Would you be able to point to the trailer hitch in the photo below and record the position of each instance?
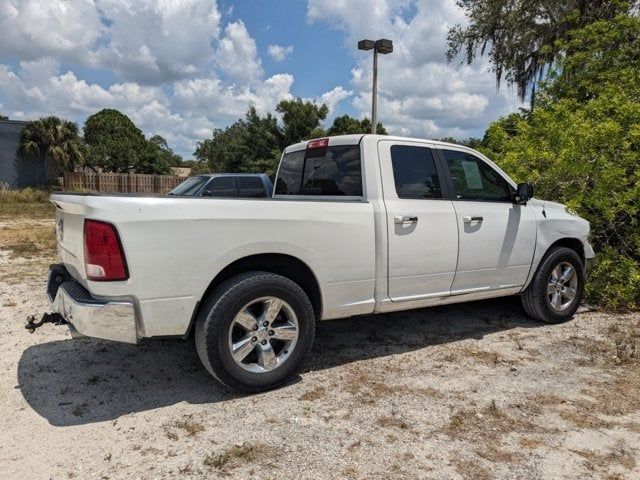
(54, 318)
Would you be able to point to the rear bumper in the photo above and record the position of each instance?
(110, 320)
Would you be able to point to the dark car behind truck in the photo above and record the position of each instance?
(241, 185)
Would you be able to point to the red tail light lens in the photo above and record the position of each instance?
(103, 255)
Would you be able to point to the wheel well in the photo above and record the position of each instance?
(572, 243)
(290, 267)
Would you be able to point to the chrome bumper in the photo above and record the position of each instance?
(110, 320)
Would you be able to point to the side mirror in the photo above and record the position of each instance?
(523, 194)
(206, 193)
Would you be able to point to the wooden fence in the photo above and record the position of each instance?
(120, 182)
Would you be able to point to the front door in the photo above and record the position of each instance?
(497, 236)
(421, 222)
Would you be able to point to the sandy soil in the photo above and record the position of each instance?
(469, 391)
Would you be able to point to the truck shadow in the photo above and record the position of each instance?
(73, 382)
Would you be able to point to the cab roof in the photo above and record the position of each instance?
(355, 139)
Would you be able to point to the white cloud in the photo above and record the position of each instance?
(278, 52)
(153, 41)
(178, 74)
(147, 41)
(419, 93)
(33, 29)
(332, 98)
(237, 55)
(183, 114)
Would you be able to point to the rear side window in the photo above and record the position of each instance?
(414, 172)
(251, 187)
(222, 187)
(474, 179)
(328, 171)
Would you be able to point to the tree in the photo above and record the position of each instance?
(470, 142)
(346, 125)
(581, 146)
(116, 144)
(249, 145)
(300, 119)
(525, 38)
(158, 157)
(603, 54)
(255, 143)
(4, 117)
(197, 167)
(57, 140)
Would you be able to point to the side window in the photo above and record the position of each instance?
(251, 187)
(473, 179)
(414, 172)
(222, 187)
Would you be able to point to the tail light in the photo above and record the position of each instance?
(318, 143)
(103, 255)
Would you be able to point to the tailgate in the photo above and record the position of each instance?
(70, 214)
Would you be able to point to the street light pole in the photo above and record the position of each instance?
(374, 93)
(383, 46)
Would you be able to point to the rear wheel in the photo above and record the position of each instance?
(254, 331)
(556, 289)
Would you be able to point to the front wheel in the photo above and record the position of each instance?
(254, 331)
(556, 289)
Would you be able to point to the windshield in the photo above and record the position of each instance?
(190, 186)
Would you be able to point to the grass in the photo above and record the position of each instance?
(239, 455)
(313, 394)
(28, 202)
(28, 241)
(393, 421)
(189, 425)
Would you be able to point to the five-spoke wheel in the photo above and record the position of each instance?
(561, 289)
(263, 334)
(555, 291)
(254, 330)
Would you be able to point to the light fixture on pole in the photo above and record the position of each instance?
(382, 46)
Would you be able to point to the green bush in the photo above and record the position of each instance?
(581, 146)
(614, 281)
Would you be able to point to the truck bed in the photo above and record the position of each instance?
(175, 246)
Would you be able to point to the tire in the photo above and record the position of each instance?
(540, 301)
(220, 327)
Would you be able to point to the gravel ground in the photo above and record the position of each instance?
(468, 391)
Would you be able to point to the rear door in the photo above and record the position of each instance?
(421, 221)
(497, 237)
(251, 187)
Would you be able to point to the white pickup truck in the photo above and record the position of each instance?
(357, 224)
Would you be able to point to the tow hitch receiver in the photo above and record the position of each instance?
(54, 318)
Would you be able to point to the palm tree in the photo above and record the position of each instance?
(57, 140)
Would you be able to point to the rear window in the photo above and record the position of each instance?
(324, 171)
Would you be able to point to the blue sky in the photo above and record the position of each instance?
(180, 68)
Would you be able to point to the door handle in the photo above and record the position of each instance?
(469, 219)
(400, 219)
